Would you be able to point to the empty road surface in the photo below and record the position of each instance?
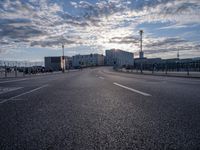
(99, 109)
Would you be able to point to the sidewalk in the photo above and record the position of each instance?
(161, 73)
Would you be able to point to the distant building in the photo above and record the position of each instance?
(68, 62)
(55, 63)
(147, 60)
(115, 57)
(141, 54)
(172, 60)
(52, 63)
(87, 60)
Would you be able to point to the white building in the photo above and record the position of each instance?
(87, 60)
(116, 57)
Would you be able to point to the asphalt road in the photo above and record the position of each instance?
(99, 109)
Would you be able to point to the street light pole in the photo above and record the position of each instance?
(141, 54)
(141, 32)
(63, 59)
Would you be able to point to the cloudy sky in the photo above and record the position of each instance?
(32, 29)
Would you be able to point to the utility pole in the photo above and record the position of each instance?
(63, 59)
(141, 33)
(141, 54)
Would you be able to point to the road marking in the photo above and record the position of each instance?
(31, 91)
(131, 89)
(8, 89)
(13, 81)
(101, 78)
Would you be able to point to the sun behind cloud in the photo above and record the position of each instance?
(169, 25)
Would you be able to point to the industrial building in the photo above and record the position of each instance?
(116, 57)
(55, 63)
(87, 60)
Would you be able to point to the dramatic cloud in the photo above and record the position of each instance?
(166, 42)
(170, 46)
(99, 25)
(125, 40)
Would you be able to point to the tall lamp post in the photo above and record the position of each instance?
(63, 59)
(141, 53)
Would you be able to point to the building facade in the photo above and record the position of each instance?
(115, 57)
(141, 54)
(87, 60)
(55, 63)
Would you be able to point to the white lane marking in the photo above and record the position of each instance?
(31, 91)
(8, 89)
(101, 78)
(131, 89)
(12, 81)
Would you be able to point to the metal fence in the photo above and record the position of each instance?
(163, 67)
(19, 69)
